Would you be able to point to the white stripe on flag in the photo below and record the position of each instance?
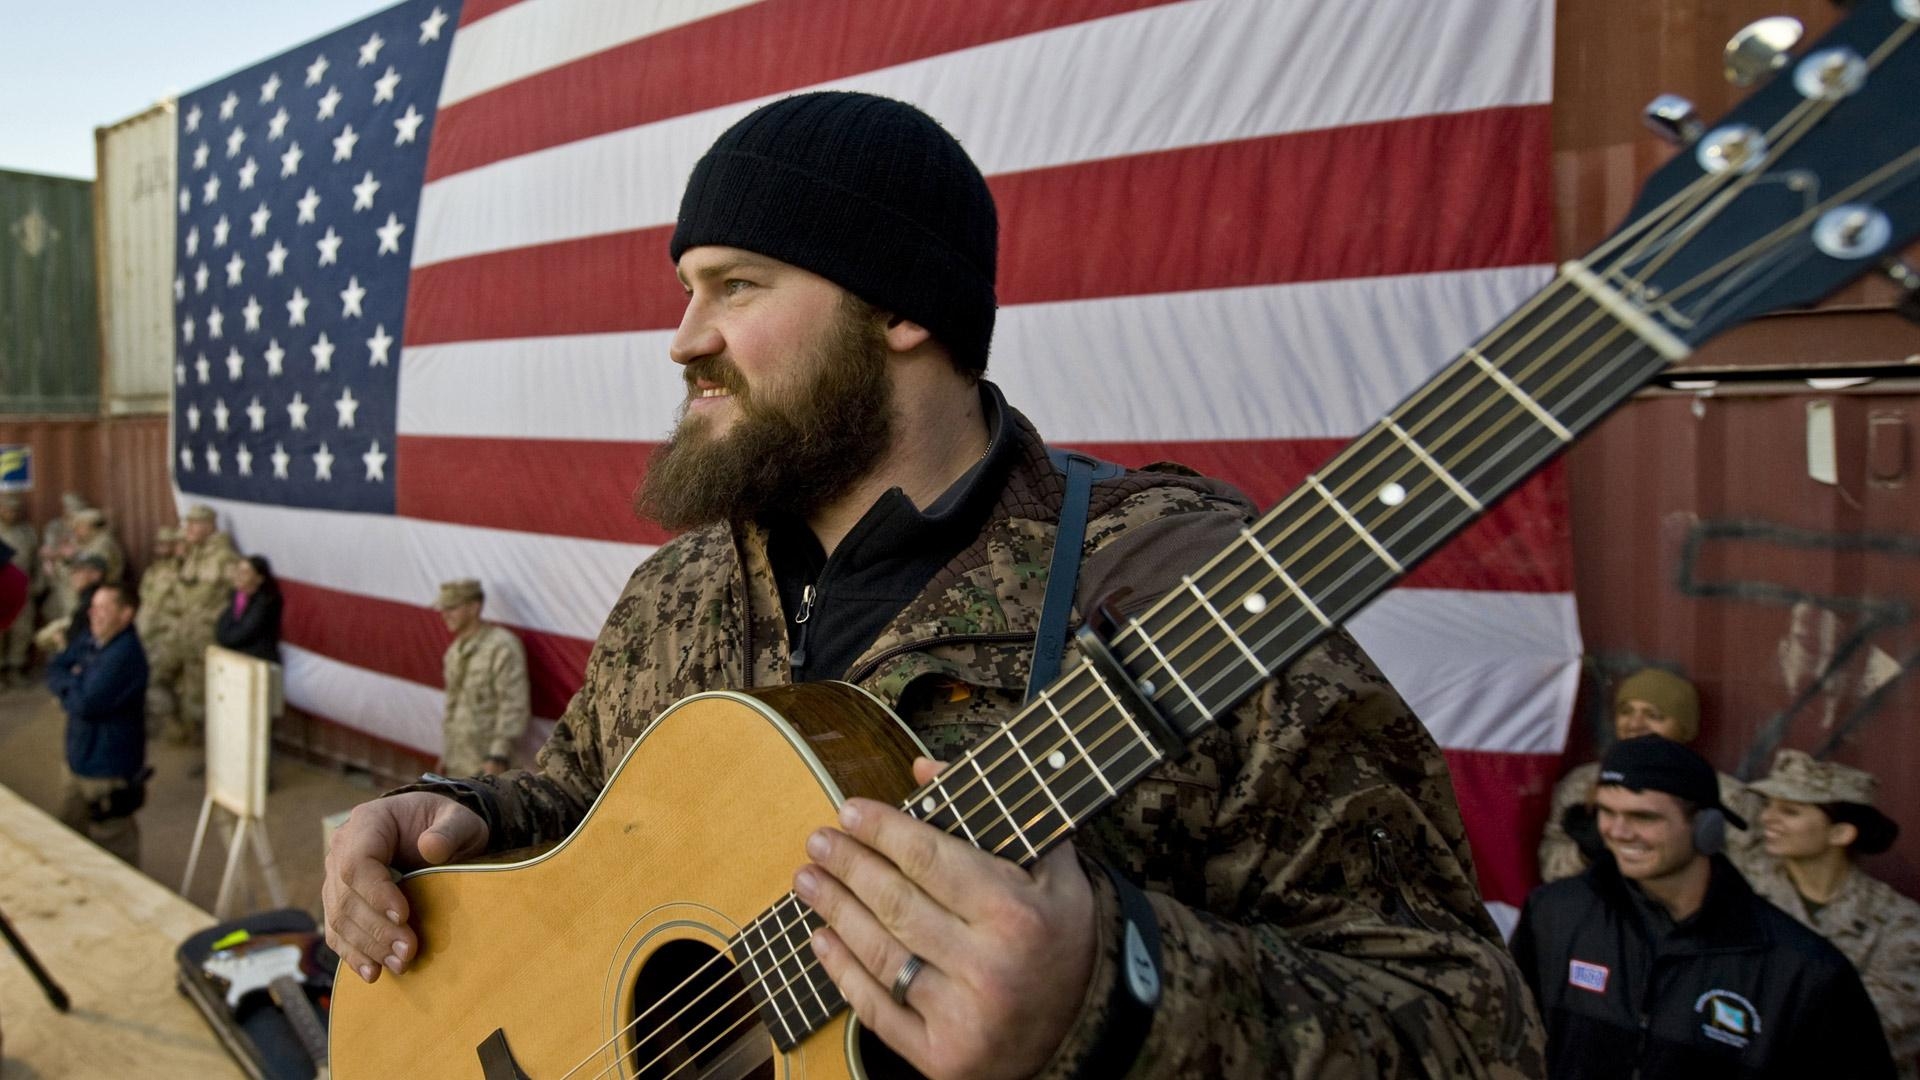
(538, 35)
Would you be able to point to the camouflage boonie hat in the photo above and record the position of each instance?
(89, 516)
(166, 534)
(88, 561)
(455, 593)
(1797, 777)
(73, 501)
(200, 512)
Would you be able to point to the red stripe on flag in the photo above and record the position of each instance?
(673, 72)
(407, 641)
(1404, 197)
(472, 11)
(1503, 801)
(585, 489)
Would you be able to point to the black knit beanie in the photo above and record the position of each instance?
(871, 194)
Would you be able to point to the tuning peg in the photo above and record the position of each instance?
(1673, 118)
(1761, 48)
(1908, 280)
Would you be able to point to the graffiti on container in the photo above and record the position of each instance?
(1844, 626)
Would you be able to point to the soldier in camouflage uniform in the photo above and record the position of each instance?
(157, 585)
(1819, 816)
(486, 679)
(18, 533)
(93, 537)
(176, 696)
(1305, 869)
(57, 546)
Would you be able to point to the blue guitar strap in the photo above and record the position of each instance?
(1050, 642)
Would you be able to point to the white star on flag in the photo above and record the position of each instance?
(235, 139)
(280, 458)
(202, 369)
(186, 200)
(213, 459)
(276, 259)
(186, 329)
(384, 86)
(234, 266)
(260, 217)
(193, 119)
(290, 161)
(228, 104)
(215, 321)
(377, 346)
(257, 415)
(309, 205)
(371, 50)
(179, 287)
(247, 172)
(297, 412)
(193, 241)
(297, 308)
(200, 155)
(220, 230)
(235, 364)
(343, 144)
(277, 125)
(408, 125)
(193, 417)
(179, 374)
(350, 298)
(317, 70)
(274, 355)
(329, 246)
(220, 413)
(200, 274)
(322, 353)
(323, 463)
(345, 407)
(329, 102)
(186, 458)
(389, 235)
(363, 192)
(430, 29)
(252, 314)
(376, 462)
(210, 190)
(244, 458)
(269, 88)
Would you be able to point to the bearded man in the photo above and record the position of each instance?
(859, 504)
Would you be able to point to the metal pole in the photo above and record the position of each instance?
(54, 994)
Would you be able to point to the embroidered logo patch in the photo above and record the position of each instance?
(1727, 1018)
(1587, 976)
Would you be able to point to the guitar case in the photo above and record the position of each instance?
(257, 1035)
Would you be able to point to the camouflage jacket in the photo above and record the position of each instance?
(1561, 858)
(1307, 866)
(1879, 930)
(203, 591)
(107, 547)
(157, 586)
(487, 698)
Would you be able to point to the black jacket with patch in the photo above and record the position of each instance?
(1737, 990)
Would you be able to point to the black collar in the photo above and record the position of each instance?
(1725, 921)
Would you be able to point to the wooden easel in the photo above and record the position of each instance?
(241, 694)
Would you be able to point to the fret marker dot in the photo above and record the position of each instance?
(1057, 759)
(927, 804)
(1254, 603)
(1393, 494)
(1147, 687)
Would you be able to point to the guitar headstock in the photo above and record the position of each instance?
(1809, 183)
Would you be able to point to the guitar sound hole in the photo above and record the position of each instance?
(695, 1019)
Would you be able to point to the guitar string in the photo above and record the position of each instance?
(1518, 413)
(1193, 609)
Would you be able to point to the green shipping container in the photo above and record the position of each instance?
(49, 330)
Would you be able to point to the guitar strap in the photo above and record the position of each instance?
(1050, 641)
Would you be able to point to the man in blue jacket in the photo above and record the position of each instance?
(101, 681)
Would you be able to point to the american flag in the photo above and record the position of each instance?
(431, 342)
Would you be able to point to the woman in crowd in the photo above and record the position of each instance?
(1819, 817)
(1648, 702)
(251, 624)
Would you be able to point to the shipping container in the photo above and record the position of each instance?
(49, 333)
(134, 219)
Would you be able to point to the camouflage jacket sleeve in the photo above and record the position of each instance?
(1560, 857)
(1891, 971)
(1363, 950)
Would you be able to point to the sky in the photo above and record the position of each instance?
(70, 67)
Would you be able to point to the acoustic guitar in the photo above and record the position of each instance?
(661, 940)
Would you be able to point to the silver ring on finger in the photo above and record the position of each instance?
(905, 978)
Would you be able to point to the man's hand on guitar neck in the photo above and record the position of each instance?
(1006, 953)
(366, 912)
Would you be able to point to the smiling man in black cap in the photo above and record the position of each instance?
(1661, 962)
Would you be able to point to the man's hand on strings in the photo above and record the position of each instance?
(1005, 952)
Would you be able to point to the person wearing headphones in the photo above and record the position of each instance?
(1660, 961)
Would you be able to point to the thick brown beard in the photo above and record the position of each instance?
(794, 457)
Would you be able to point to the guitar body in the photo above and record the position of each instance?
(697, 833)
